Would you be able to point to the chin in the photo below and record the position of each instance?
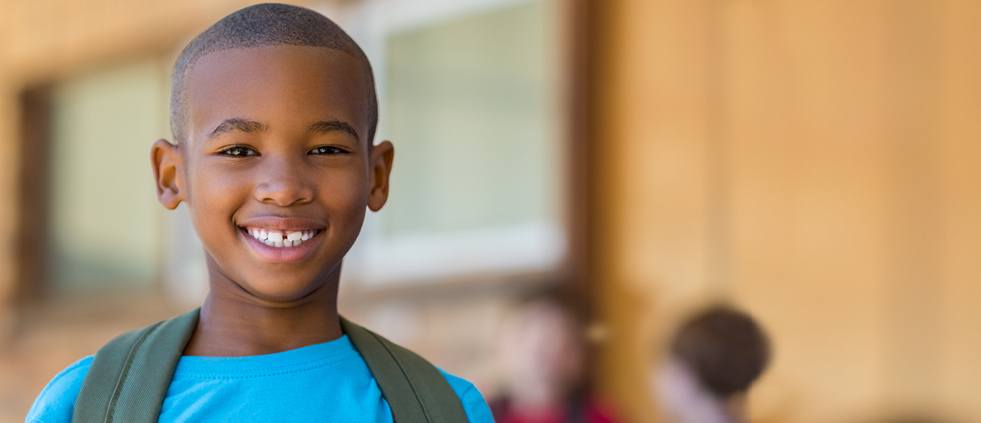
(283, 291)
(275, 284)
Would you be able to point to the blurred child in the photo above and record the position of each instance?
(713, 360)
(543, 353)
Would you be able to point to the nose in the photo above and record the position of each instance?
(282, 183)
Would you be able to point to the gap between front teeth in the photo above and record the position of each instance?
(279, 239)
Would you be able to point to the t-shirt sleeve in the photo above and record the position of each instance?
(56, 402)
(473, 402)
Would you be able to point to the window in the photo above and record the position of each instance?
(104, 227)
(467, 91)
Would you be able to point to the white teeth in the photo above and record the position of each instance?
(278, 239)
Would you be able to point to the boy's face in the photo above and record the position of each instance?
(276, 169)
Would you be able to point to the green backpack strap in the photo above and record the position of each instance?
(129, 378)
(130, 375)
(415, 390)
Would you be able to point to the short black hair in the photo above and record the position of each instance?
(724, 347)
(266, 24)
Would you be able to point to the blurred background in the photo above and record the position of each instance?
(815, 163)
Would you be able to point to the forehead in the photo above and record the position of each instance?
(281, 86)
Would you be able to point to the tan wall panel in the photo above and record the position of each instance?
(805, 182)
(959, 366)
(8, 215)
(817, 163)
(47, 38)
(652, 204)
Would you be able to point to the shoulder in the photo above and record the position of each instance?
(57, 400)
(473, 402)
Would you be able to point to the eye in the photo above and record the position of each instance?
(239, 151)
(327, 150)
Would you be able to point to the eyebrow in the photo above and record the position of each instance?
(251, 126)
(325, 126)
(236, 124)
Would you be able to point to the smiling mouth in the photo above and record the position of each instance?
(281, 239)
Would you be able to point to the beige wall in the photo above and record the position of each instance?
(816, 162)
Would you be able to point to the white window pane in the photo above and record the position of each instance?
(104, 216)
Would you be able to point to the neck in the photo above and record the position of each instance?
(233, 322)
(736, 408)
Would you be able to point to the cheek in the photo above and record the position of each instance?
(214, 197)
(345, 195)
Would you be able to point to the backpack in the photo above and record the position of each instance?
(131, 374)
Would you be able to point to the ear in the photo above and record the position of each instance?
(382, 156)
(168, 173)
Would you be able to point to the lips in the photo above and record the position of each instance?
(278, 239)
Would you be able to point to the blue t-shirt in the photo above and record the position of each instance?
(326, 382)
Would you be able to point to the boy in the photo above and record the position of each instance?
(544, 350)
(714, 358)
(273, 112)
